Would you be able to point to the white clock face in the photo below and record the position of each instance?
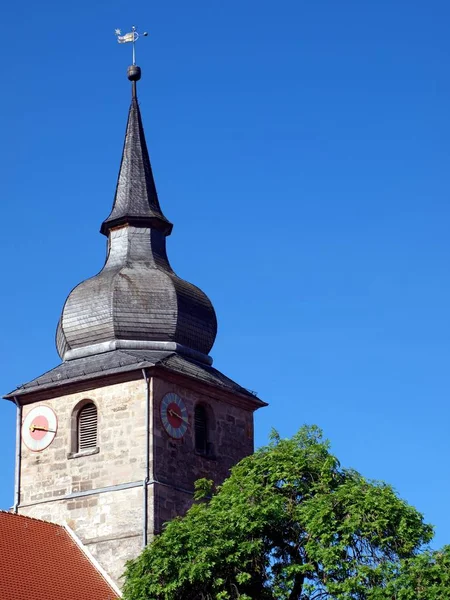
(39, 428)
(174, 415)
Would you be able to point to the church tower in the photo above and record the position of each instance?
(112, 440)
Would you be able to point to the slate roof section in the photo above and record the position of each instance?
(136, 297)
(136, 200)
(123, 361)
(40, 560)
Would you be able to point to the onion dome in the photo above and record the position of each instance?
(136, 301)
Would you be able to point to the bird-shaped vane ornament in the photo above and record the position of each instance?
(131, 37)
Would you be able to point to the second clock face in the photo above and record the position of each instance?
(174, 415)
(39, 428)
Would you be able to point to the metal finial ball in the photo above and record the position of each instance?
(134, 73)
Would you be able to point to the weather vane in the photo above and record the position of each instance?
(132, 37)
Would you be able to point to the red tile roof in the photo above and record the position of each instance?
(40, 561)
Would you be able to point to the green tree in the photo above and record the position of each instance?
(423, 577)
(288, 524)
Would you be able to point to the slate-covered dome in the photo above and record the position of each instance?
(136, 301)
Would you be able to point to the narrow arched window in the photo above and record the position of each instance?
(87, 427)
(201, 429)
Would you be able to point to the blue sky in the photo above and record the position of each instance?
(301, 150)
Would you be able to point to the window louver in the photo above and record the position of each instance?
(87, 427)
(201, 432)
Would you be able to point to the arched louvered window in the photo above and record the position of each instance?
(201, 429)
(87, 427)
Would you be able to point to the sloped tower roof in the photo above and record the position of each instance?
(136, 315)
(136, 301)
(136, 200)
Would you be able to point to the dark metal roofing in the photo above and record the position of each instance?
(136, 199)
(136, 300)
(136, 297)
(122, 361)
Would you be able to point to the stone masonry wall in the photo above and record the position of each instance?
(177, 465)
(109, 523)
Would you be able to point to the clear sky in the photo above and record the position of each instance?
(301, 148)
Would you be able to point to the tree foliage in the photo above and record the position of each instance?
(423, 577)
(289, 524)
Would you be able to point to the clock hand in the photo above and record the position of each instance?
(172, 413)
(37, 428)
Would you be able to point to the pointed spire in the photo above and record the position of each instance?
(136, 302)
(136, 200)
